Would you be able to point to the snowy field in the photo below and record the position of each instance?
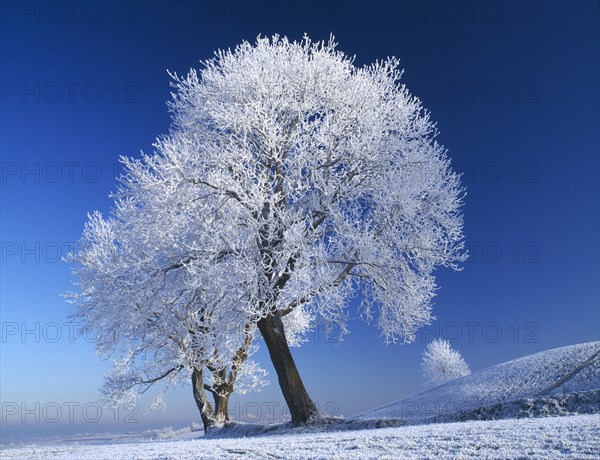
(569, 437)
(563, 381)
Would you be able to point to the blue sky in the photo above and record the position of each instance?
(513, 87)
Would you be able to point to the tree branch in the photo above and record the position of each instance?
(211, 389)
(229, 193)
(336, 282)
(152, 381)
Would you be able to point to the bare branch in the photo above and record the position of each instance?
(335, 283)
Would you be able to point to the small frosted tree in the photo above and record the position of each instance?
(441, 363)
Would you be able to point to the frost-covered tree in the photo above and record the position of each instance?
(159, 327)
(292, 182)
(441, 363)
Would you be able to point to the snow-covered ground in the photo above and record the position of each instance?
(564, 381)
(552, 382)
(571, 437)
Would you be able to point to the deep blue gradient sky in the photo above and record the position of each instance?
(513, 87)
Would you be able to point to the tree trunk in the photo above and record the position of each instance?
(302, 408)
(222, 405)
(206, 410)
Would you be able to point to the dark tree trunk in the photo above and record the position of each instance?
(218, 415)
(222, 405)
(302, 408)
(206, 411)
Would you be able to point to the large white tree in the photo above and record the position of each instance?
(441, 363)
(292, 182)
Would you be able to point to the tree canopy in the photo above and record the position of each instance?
(291, 182)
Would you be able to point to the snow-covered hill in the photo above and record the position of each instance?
(552, 382)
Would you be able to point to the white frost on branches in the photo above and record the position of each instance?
(291, 182)
(151, 318)
(441, 363)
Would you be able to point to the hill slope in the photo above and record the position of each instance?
(552, 382)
